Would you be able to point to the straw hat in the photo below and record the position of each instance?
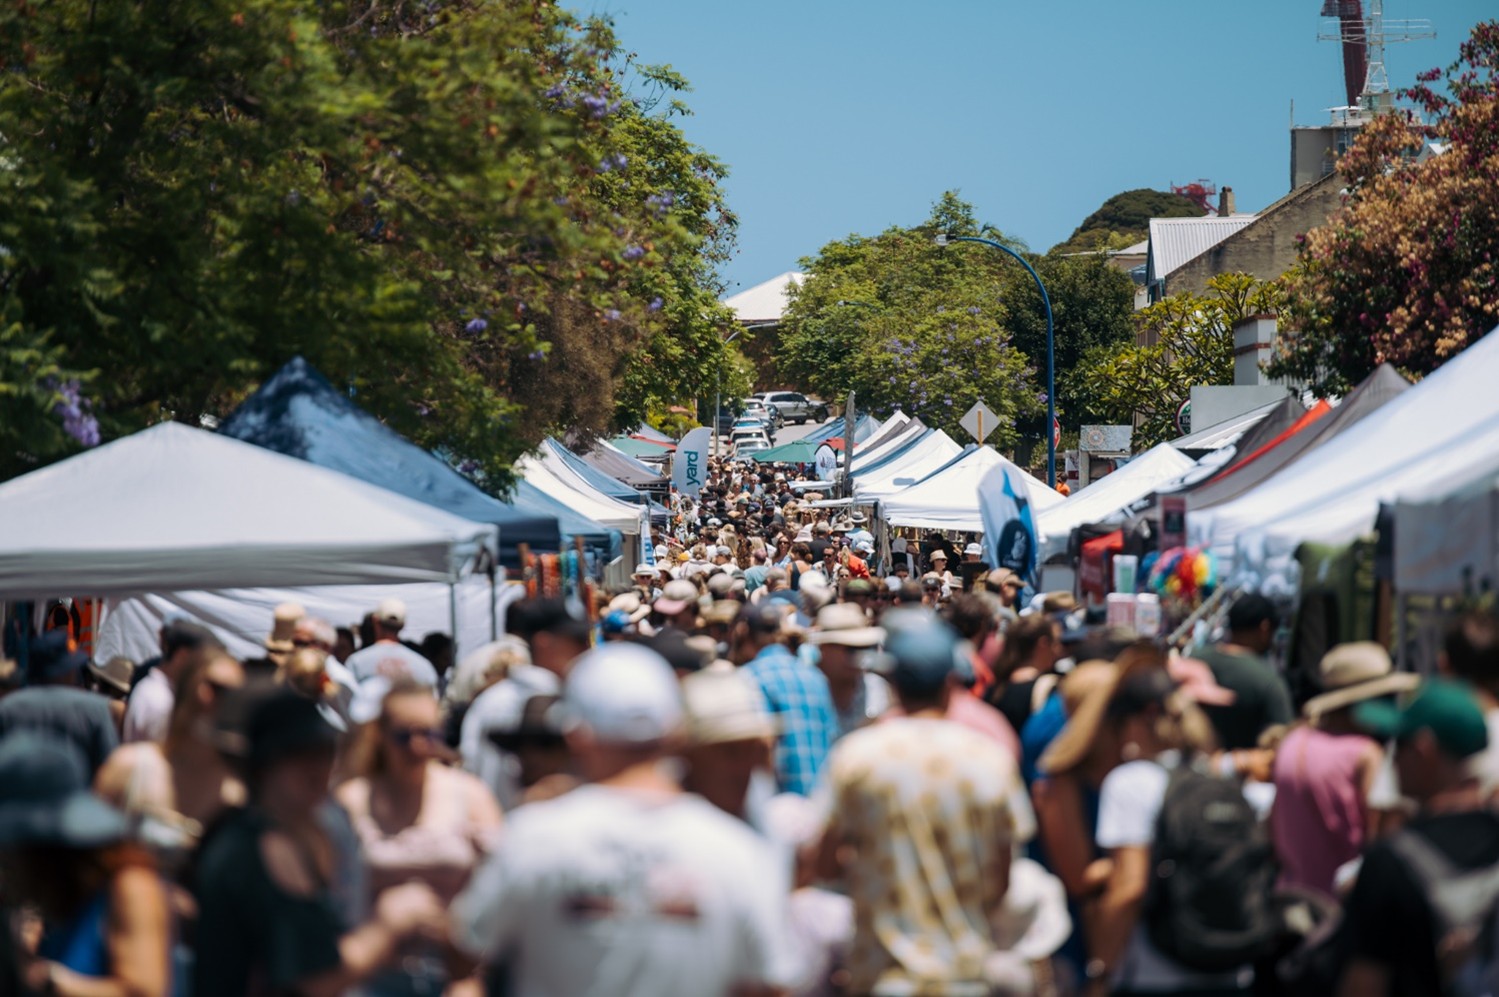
(1075, 742)
(1351, 673)
(723, 707)
(846, 625)
(631, 605)
(285, 625)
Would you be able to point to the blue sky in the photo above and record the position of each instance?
(841, 116)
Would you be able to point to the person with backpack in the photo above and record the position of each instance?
(1421, 918)
(1185, 903)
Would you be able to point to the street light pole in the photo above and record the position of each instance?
(718, 383)
(1051, 361)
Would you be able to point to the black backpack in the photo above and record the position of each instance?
(1210, 903)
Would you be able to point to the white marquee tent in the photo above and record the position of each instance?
(1107, 497)
(948, 500)
(173, 508)
(882, 434)
(895, 441)
(918, 460)
(1448, 420)
(558, 481)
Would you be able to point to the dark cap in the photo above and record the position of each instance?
(1444, 707)
(53, 655)
(529, 617)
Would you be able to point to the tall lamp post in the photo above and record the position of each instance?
(1051, 361)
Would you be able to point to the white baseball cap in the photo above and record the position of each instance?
(624, 694)
(973, 550)
(391, 612)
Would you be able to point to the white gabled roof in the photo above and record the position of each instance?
(765, 302)
(1174, 242)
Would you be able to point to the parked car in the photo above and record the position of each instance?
(756, 423)
(745, 435)
(757, 407)
(746, 449)
(794, 406)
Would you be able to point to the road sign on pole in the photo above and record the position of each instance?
(980, 421)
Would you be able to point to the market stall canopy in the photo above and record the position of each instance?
(621, 466)
(1245, 473)
(566, 463)
(1225, 433)
(1448, 420)
(834, 427)
(574, 525)
(869, 456)
(648, 432)
(927, 455)
(297, 412)
(795, 452)
(883, 432)
(948, 500)
(1106, 499)
(1448, 543)
(173, 508)
(641, 449)
(579, 496)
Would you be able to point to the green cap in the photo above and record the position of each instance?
(1444, 707)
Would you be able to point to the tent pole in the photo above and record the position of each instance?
(494, 614)
(453, 617)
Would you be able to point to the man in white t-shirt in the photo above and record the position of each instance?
(387, 657)
(626, 885)
(148, 712)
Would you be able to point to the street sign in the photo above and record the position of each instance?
(826, 461)
(980, 421)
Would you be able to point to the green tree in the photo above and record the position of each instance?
(1124, 220)
(910, 324)
(1406, 272)
(873, 309)
(1189, 341)
(423, 199)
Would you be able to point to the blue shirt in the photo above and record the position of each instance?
(796, 693)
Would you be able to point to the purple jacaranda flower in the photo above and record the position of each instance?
(655, 304)
(468, 466)
(536, 355)
(612, 315)
(77, 421)
(634, 252)
(475, 326)
(423, 410)
(973, 310)
(596, 106)
(613, 161)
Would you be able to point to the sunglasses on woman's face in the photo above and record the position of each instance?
(405, 735)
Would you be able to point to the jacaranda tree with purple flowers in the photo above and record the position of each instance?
(465, 211)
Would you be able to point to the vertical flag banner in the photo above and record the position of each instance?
(1009, 525)
(689, 468)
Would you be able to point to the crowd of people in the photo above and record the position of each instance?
(773, 765)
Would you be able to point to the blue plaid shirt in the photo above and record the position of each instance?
(796, 693)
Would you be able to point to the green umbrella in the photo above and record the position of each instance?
(797, 452)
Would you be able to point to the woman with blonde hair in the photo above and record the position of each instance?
(417, 818)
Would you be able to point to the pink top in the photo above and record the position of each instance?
(1318, 821)
(441, 849)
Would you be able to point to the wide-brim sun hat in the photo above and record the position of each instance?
(1139, 663)
(1353, 673)
(845, 625)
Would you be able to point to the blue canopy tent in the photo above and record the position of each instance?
(298, 413)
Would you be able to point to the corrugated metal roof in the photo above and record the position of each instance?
(1176, 241)
(764, 302)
